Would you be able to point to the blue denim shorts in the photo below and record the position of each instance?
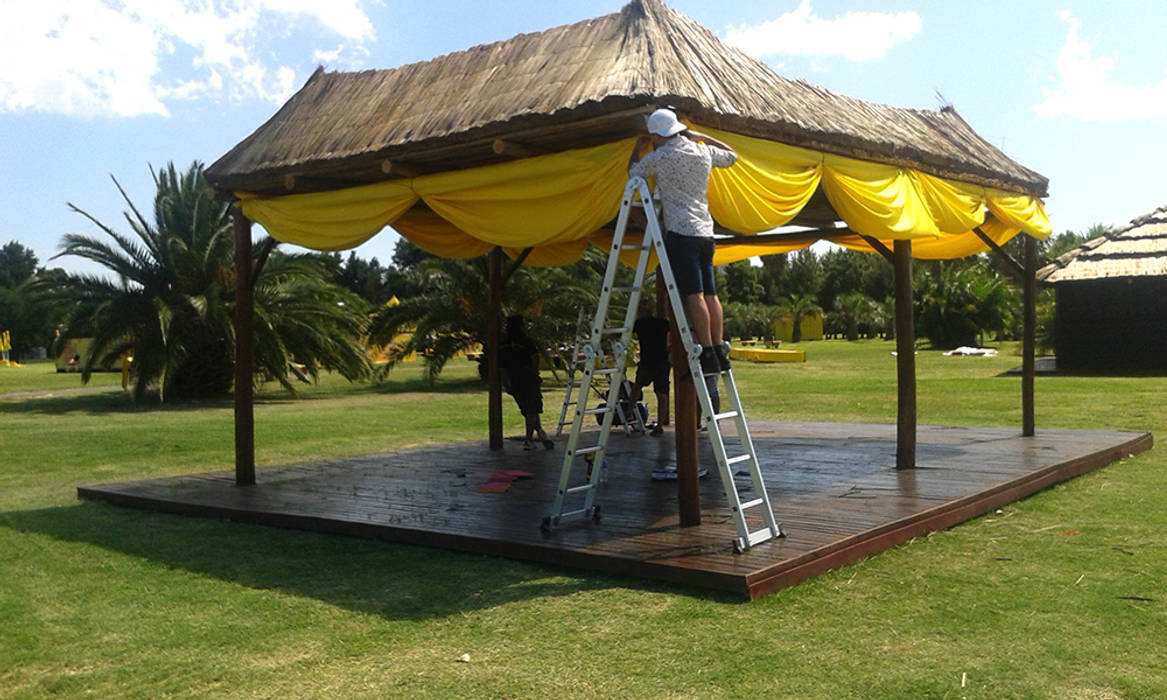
(691, 259)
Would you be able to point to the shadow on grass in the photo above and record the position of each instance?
(395, 581)
(114, 401)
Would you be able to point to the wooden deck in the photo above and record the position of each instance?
(834, 488)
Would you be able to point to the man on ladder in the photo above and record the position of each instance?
(682, 166)
(681, 163)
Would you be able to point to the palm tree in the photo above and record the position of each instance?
(855, 308)
(798, 306)
(170, 302)
(451, 311)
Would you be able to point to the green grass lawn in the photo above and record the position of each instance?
(1062, 595)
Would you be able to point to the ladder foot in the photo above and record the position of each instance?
(739, 546)
(595, 514)
(546, 526)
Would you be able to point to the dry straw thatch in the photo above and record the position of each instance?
(1138, 249)
(579, 85)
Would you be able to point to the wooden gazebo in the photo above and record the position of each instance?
(518, 148)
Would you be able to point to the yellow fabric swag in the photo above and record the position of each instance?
(556, 203)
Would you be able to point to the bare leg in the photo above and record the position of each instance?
(716, 318)
(698, 315)
(662, 409)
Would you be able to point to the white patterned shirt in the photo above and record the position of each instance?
(682, 168)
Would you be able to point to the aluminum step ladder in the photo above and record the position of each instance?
(575, 366)
(638, 194)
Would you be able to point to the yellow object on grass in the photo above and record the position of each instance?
(767, 354)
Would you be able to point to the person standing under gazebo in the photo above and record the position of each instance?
(519, 357)
(681, 162)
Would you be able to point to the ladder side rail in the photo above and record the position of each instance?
(755, 467)
(692, 352)
(572, 365)
(593, 350)
(620, 347)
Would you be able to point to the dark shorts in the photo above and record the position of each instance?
(691, 258)
(656, 374)
(528, 395)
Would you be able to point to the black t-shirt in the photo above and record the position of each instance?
(653, 334)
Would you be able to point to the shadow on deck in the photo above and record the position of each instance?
(834, 488)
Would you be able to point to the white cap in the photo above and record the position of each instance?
(663, 122)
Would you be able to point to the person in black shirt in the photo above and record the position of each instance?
(652, 333)
(519, 357)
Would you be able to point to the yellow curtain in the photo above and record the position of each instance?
(334, 220)
(554, 203)
(947, 247)
(537, 201)
(766, 188)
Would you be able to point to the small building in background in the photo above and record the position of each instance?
(1111, 296)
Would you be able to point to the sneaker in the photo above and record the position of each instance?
(528, 445)
(722, 353)
(709, 361)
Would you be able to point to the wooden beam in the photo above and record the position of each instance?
(265, 250)
(1015, 266)
(493, 339)
(398, 169)
(518, 262)
(905, 358)
(1029, 338)
(504, 147)
(289, 182)
(685, 432)
(879, 247)
(244, 354)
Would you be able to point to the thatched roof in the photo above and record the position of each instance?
(1138, 249)
(574, 86)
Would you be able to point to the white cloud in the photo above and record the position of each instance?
(132, 57)
(858, 36)
(1087, 91)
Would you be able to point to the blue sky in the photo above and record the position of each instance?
(93, 88)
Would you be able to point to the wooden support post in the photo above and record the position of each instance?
(244, 355)
(493, 339)
(685, 432)
(662, 311)
(905, 358)
(1029, 337)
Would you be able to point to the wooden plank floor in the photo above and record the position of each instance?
(834, 489)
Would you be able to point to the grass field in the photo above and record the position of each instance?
(1062, 595)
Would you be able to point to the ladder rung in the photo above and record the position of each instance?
(597, 411)
(577, 489)
(759, 536)
(614, 330)
(633, 246)
(723, 416)
(735, 460)
(607, 370)
(588, 450)
(629, 288)
(751, 504)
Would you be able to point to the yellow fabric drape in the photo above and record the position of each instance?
(333, 220)
(435, 235)
(554, 203)
(947, 247)
(534, 201)
(766, 188)
(735, 250)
